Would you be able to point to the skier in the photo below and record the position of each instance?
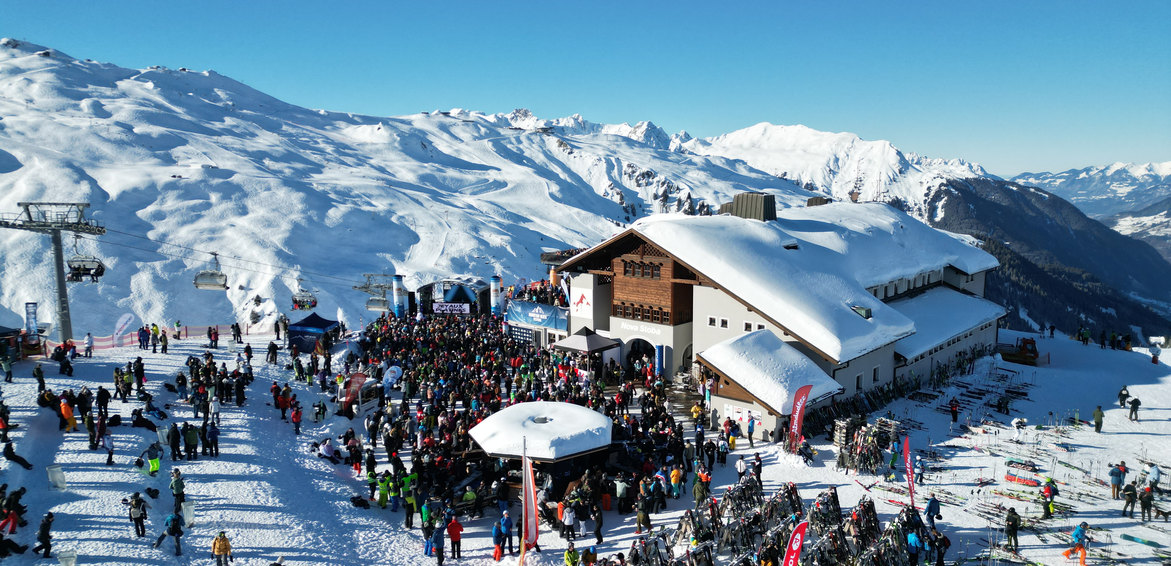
(1078, 541)
(919, 469)
(173, 527)
(1153, 477)
(1018, 425)
(954, 407)
(1098, 416)
(1123, 395)
(1012, 523)
(1134, 405)
(177, 486)
(741, 467)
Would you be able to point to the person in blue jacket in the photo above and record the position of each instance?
(437, 544)
(506, 530)
(914, 544)
(932, 511)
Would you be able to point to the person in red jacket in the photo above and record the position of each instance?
(297, 419)
(454, 528)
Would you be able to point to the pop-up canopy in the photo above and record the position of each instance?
(586, 341)
(550, 431)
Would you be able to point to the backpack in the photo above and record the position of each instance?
(360, 502)
(174, 525)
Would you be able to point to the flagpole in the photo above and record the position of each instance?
(524, 495)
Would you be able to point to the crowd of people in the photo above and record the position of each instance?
(437, 377)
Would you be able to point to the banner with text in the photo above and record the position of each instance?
(536, 314)
(797, 415)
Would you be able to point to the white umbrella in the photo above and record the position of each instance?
(553, 431)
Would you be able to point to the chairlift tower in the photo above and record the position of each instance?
(52, 218)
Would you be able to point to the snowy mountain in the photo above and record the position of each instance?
(1103, 191)
(178, 163)
(1151, 224)
(838, 163)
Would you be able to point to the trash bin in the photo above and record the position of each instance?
(56, 476)
(67, 557)
(188, 513)
(163, 435)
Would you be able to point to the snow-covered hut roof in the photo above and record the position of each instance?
(769, 369)
(552, 431)
(810, 288)
(941, 314)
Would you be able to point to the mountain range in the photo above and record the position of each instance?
(179, 164)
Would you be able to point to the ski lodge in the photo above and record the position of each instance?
(853, 295)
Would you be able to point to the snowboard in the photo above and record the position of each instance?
(1140, 541)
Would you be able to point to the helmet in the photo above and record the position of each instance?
(1085, 524)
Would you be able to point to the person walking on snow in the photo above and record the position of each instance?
(221, 548)
(1098, 416)
(173, 527)
(1134, 405)
(1123, 395)
(1077, 542)
(1012, 523)
(44, 539)
(454, 528)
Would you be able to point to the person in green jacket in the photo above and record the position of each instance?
(1098, 415)
(700, 493)
(571, 557)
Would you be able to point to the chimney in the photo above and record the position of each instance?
(752, 205)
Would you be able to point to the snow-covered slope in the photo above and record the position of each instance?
(1102, 191)
(836, 163)
(204, 163)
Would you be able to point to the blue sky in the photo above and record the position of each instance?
(1015, 86)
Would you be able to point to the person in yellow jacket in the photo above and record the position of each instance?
(222, 549)
(383, 489)
(571, 557)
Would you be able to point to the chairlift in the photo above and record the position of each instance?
(82, 266)
(378, 304)
(304, 300)
(212, 279)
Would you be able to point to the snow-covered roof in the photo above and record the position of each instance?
(941, 314)
(843, 248)
(769, 369)
(552, 431)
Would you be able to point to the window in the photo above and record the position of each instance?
(616, 310)
(723, 323)
(637, 313)
(625, 268)
(656, 271)
(874, 375)
(711, 321)
(638, 270)
(627, 309)
(656, 315)
(748, 327)
(858, 382)
(760, 327)
(667, 317)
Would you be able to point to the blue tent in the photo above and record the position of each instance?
(304, 333)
